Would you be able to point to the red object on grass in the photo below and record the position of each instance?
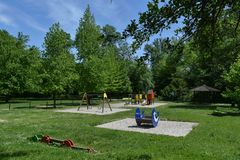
(68, 143)
(46, 139)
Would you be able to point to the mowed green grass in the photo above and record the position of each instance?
(214, 137)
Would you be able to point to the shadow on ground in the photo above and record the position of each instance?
(222, 114)
(25, 107)
(8, 155)
(194, 106)
(14, 102)
(143, 126)
(69, 104)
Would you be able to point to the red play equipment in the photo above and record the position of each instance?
(61, 143)
(150, 97)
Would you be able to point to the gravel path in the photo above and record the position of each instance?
(171, 128)
(94, 110)
(145, 106)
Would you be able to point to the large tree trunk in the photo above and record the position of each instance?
(54, 100)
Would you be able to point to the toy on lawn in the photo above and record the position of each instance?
(61, 143)
(142, 119)
(87, 98)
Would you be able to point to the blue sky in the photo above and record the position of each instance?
(34, 17)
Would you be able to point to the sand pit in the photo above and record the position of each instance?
(145, 106)
(94, 110)
(170, 128)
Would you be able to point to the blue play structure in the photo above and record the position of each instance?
(142, 119)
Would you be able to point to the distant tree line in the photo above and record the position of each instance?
(103, 63)
(206, 53)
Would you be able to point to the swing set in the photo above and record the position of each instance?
(87, 97)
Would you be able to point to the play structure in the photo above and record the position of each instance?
(134, 99)
(150, 97)
(150, 120)
(87, 97)
(143, 99)
(60, 143)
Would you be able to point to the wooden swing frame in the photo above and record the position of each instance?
(86, 99)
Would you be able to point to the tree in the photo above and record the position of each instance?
(106, 74)
(90, 72)
(140, 76)
(233, 82)
(175, 90)
(19, 65)
(88, 43)
(88, 36)
(114, 73)
(124, 51)
(110, 35)
(59, 65)
(31, 64)
(164, 59)
(195, 16)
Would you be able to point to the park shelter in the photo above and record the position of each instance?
(205, 94)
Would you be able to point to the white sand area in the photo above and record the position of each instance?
(170, 128)
(146, 106)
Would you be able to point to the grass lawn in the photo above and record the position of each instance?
(214, 137)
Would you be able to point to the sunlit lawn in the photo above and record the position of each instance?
(214, 138)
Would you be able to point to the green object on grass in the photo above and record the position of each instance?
(37, 138)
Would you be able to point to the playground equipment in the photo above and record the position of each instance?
(152, 120)
(143, 99)
(150, 97)
(87, 99)
(134, 99)
(61, 143)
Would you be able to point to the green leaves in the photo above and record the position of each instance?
(114, 73)
(18, 64)
(88, 36)
(59, 65)
(196, 16)
(100, 68)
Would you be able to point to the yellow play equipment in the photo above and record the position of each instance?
(133, 99)
(87, 99)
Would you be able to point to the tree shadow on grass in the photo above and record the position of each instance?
(69, 104)
(78, 104)
(194, 106)
(49, 107)
(140, 157)
(222, 114)
(13, 102)
(8, 155)
(37, 107)
(25, 107)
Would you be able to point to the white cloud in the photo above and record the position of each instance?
(3, 15)
(66, 12)
(31, 22)
(11, 16)
(106, 9)
(112, 13)
(6, 20)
